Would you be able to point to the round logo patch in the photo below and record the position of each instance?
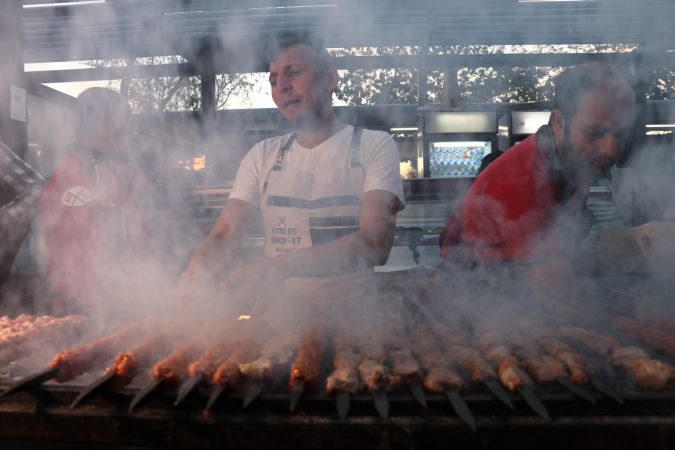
(76, 196)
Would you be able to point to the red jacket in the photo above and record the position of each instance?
(90, 225)
(511, 210)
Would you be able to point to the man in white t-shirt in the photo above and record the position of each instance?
(328, 192)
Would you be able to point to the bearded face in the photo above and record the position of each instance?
(301, 87)
(591, 141)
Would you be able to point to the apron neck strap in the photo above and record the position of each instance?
(282, 152)
(355, 146)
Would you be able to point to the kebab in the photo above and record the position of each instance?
(662, 323)
(274, 357)
(649, 373)
(76, 361)
(470, 359)
(550, 360)
(306, 367)
(500, 355)
(38, 332)
(441, 376)
(227, 374)
(171, 370)
(344, 380)
(22, 322)
(375, 373)
(404, 366)
(126, 366)
(650, 336)
(203, 368)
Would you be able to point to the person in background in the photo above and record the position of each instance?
(328, 192)
(90, 223)
(489, 159)
(20, 189)
(528, 208)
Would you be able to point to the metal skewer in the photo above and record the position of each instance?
(381, 403)
(498, 391)
(577, 390)
(31, 380)
(606, 390)
(533, 401)
(252, 392)
(343, 401)
(417, 391)
(461, 409)
(296, 392)
(188, 386)
(215, 395)
(145, 393)
(103, 382)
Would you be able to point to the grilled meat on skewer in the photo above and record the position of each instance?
(649, 373)
(399, 346)
(274, 357)
(173, 368)
(227, 373)
(456, 352)
(440, 376)
(345, 376)
(650, 336)
(22, 322)
(373, 369)
(128, 364)
(307, 363)
(76, 361)
(21, 342)
(599, 343)
(662, 323)
(544, 369)
(208, 363)
(570, 358)
(500, 356)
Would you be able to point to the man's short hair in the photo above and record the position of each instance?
(573, 83)
(282, 41)
(99, 105)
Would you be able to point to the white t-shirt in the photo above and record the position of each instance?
(378, 154)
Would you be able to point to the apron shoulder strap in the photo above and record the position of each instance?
(278, 165)
(355, 147)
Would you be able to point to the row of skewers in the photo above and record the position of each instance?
(430, 358)
(25, 333)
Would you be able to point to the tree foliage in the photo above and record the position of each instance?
(479, 84)
(661, 85)
(175, 93)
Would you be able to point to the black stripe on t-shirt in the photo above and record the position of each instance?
(325, 202)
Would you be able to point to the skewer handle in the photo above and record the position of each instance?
(534, 402)
(461, 409)
(32, 380)
(343, 402)
(103, 382)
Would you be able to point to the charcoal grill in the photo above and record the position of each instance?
(644, 420)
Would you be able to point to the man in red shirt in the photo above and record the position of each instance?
(528, 206)
(90, 224)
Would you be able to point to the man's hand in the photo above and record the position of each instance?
(217, 250)
(253, 275)
(553, 277)
(247, 285)
(193, 276)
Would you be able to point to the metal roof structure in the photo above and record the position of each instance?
(62, 30)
